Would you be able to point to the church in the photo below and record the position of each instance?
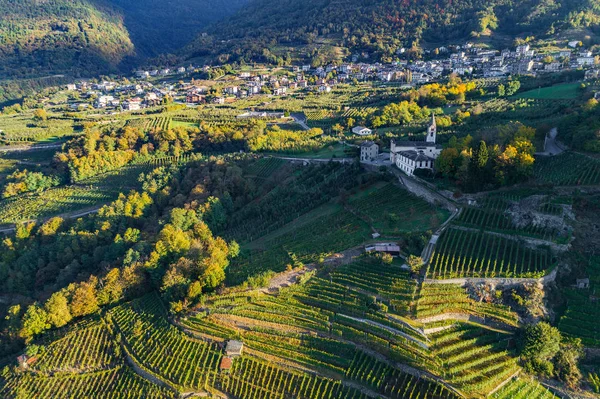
(411, 155)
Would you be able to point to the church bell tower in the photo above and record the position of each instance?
(431, 130)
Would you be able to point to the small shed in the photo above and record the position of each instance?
(583, 283)
(390, 248)
(226, 364)
(234, 348)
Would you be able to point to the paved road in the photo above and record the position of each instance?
(552, 145)
(70, 215)
(301, 122)
(20, 148)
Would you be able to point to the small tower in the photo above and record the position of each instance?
(431, 130)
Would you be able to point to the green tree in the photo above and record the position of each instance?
(482, 155)
(58, 311)
(415, 263)
(566, 362)
(538, 345)
(35, 321)
(501, 90)
(40, 114)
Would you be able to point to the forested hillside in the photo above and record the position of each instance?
(87, 37)
(161, 26)
(382, 27)
(60, 36)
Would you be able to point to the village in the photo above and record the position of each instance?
(148, 88)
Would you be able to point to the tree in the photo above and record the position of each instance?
(482, 155)
(446, 163)
(58, 311)
(84, 300)
(538, 345)
(35, 321)
(338, 129)
(513, 87)
(501, 90)
(40, 114)
(415, 263)
(566, 362)
(387, 259)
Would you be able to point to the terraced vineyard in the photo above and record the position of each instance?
(279, 383)
(492, 215)
(116, 383)
(54, 201)
(89, 348)
(475, 359)
(163, 123)
(438, 299)
(390, 282)
(568, 169)
(523, 388)
(265, 167)
(392, 210)
(471, 253)
(162, 348)
(582, 317)
(359, 113)
(284, 326)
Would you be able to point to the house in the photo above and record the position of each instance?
(369, 151)
(132, 105)
(411, 155)
(194, 97)
(324, 89)
(71, 87)
(25, 361)
(592, 74)
(583, 283)
(181, 70)
(361, 130)
(574, 43)
(104, 101)
(583, 61)
(219, 100)
(142, 74)
(234, 348)
(389, 248)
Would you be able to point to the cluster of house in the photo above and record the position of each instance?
(233, 349)
(408, 156)
(480, 62)
(112, 95)
(145, 74)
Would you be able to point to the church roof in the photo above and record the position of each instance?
(415, 156)
(367, 144)
(415, 144)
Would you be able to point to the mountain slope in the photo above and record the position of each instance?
(384, 26)
(87, 37)
(57, 35)
(162, 26)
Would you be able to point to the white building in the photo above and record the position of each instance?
(369, 151)
(583, 61)
(361, 130)
(132, 105)
(411, 155)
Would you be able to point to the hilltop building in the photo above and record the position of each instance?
(411, 155)
(369, 151)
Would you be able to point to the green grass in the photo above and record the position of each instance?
(567, 91)
(308, 242)
(392, 210)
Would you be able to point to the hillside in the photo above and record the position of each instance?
(87, 37)
(321, 28)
